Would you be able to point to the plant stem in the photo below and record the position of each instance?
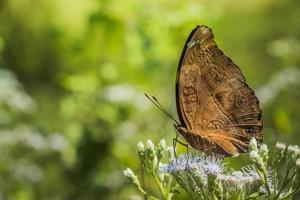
(159, 185)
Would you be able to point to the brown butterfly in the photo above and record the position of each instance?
(218, 112)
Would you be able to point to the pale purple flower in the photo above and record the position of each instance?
(200, 166)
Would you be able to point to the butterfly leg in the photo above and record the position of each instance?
(175, 140)
(174, 145)
(188, 156)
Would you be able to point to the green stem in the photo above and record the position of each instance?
(284, 183)
(266, 181)
(145, 193)
(275, 179)
(159, 185)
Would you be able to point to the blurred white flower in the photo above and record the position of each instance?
(298, 162)
(12, 93)
(284, 47)
(294, 149)
(140, 146)
(150, 145)
(57, 142)
(280, 146)
(162, 145)
(28, 172)
(277, 83)
(24, 135)
(125, 93)
(253, 155)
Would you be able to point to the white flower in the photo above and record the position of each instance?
(294, 149)
(247, 175)
(253, 155)
(298, 162)
(131, 176)
(140, 146)
(213, 165)
(162, 144)
(264, 152)
(128, 173)
(280, 146)
(263, 149)
(150, 145)
(253, 144)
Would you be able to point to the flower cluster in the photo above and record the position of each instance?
(206, 177)
(151, 157)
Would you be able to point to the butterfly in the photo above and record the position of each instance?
(218, 112)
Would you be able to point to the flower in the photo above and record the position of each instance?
(263, 149)
(200, 166)
(140, 146)
(150, 145)
(257, 159)
(247, 175)
(280, 146)
(131, 176)
(294, 149)
(264, 153)
(213, 165)
(150, 150)
(162, 144)
(253, 144)
(298, 162)
(254, 155)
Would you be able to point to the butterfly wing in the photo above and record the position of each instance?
(218, 109)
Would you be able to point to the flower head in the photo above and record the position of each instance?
(150, 145)
(131, 176)
(200, 166)
(140, 146)
(280, 146)
(264, 153)
(162, 144)
(246, 176)
(254, 155)
(294, 149)
(253, 144)
(298, 162)
(213, 165)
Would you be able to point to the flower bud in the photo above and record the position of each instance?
(140, 146)
(253, 144)
(131, 176)
(150, 150)
(264, 152)
(280, 146)
(298, 162)
(162, 145)
(294, 150)
(255, 157)
(150, 145)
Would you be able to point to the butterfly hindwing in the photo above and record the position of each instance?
(216, 107)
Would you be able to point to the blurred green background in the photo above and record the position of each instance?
(73, 74)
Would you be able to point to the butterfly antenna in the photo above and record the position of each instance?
(161, 108)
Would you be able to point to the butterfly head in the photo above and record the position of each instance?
(181, 130)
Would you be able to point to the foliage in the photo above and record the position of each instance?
(207, 177)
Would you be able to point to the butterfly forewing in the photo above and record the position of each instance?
(219, 111)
